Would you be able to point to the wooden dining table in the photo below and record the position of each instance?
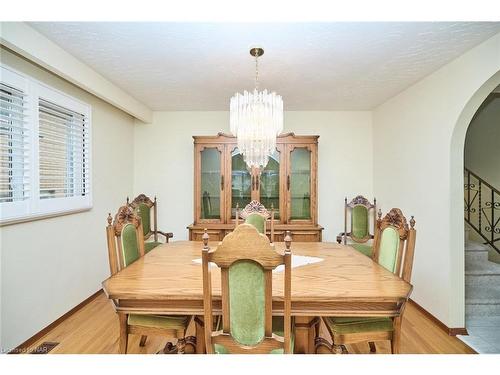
(345, 283)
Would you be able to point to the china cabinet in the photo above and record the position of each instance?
(288, 184)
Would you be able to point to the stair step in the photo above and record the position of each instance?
(476, 246)
(482, 267)
(481, 280)
(482, 299)
(482, 309)
(475, 251)
(476, 255)
(482, 294)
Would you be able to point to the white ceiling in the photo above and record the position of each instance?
(314, 66)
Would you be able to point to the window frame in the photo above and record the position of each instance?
(34, 208)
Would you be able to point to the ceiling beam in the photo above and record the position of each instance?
(34, 46)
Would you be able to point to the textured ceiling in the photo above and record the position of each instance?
(314, 66)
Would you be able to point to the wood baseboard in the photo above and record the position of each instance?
(440, 324)
(458, 331)
(22, 348)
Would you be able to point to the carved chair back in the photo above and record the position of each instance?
(246, 259)
(257, 215)
(125, 239)
(394, 243)
(145, 208)
(359, 211)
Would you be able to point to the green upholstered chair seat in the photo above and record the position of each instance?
(148, 246)
(258, 221)
(278, 330)
(159, 321)
(356, 325)
(363, 248)
(220, 349)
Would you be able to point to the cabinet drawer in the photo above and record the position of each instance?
(298, 235)
(197, 234)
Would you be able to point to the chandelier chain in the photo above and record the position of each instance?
(256, 72)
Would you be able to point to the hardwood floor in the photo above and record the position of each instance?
(94, 329)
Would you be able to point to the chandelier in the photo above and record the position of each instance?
(256, 118)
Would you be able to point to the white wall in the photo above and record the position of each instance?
(482, 145)
(49, 266)
(164, 161)
(418, 160)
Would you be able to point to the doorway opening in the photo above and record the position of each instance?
(482, 226)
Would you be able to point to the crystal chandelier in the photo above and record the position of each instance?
(256, 118)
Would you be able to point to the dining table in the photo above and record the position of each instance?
(328, 279)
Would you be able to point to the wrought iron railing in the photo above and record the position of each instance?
(482, 208)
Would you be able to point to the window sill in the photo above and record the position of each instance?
(27, 219)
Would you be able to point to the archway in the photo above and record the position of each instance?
(457, 243)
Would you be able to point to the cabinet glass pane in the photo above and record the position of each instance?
(241, 181)
(270, 184)
(210, 183)
(300, 184)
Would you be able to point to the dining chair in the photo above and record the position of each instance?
(125, 246)
(257, 215)
(145, 208)
(394, 248)
(246, 260)
(357, 214)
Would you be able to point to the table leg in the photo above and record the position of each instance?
(123, 333)
(200, 335)
(396, 336)
(305, 333)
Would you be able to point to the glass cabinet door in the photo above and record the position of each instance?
(299, 184)
(211, 183)
(241, 182)
(269, 186)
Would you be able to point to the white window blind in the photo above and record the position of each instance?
(63, 152)
(14, 145)
(45, 150)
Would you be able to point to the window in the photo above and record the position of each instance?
(45, 153)
(14, 157)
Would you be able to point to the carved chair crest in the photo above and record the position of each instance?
(142, 198)
(249, 244)
(360, 201)
(395, 219)
(124, 216)
(255, 207)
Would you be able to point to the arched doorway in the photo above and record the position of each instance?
(457, 182)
